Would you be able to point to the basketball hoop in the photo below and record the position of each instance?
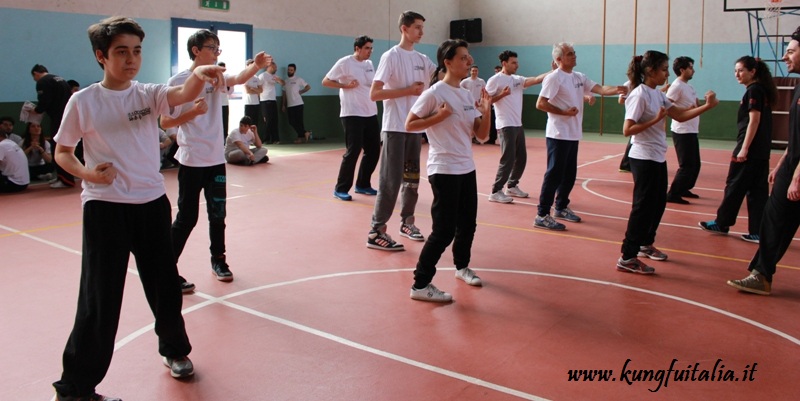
(772, 9)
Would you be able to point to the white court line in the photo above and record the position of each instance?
(38, 239)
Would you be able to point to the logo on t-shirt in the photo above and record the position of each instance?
(469, 107)
(138, 114)
(419, 68)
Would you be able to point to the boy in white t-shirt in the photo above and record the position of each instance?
(201, 154)
(125, 206)
(243, 146)
(403, 73)
(14, 174)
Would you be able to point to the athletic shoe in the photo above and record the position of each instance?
(342, 196)
(651, 252)
(500, 197)
(548, 223)
(566, 214)
(186, 287)
(220, 269)
(59, 185)
(431, 294)
(751, 238)
(634, 265)
(690, 195)
(366, 191)
(382, 241)
(93, 397)
(755, 283)
(624, 170)
(713, 227)
(677, 199)
(516, 192)
(468, 276)
(179, 367)
(45, 177)
(411, 232)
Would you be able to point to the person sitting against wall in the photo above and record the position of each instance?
(40, 156)
(243, 146)
(14, 176)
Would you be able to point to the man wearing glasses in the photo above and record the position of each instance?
(201, 153)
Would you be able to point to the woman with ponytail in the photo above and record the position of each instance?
(645, 109)
(451, 118)
(749, 167)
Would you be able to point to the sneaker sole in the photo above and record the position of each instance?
(550, 228)
(660, 259)
(500, 201)
(752, 241)
(365, 193)
(224, 279)
(412, 238)
(518, 196)
(426, 299)
(380, 248)
(341, 198)
(476, 283)
(187, 290)
(746, 289)
(173, 374)
(711, 231)
(566, 219)
(627, 270)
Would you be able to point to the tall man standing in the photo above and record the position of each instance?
(506, 89)
(403, 73)
(475, 85)
(201, 154)
(53, 93)
(562, 97)
(252, 103)
(294, 88)
(782, 213)
(684, 134)
(269, 105)
(353, 75)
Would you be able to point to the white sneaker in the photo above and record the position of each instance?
(500, 197)
(59, 185)
(468, 276)
(516, 192)
(431, 294)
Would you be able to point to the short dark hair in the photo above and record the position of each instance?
(292, 65)
(198, 39)
(681, 63)
(38, 68)
(246, 120)
(103, 33)
(407, 18)
(361, 41)
(6, 118)
(796, 34)
(506, 54)
(73, 83)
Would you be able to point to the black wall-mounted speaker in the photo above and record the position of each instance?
(470, 30)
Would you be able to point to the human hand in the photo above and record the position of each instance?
(103, 173)
(200, 106)
(711, 98)
(742, 156)
(417, 88)
(572, 111)
(212, 74)
(262, 60)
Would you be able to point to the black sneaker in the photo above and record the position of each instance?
(690, 195)
(93, 397)
(677, 199)
(186, 287)
(179, 367)
(220, 269)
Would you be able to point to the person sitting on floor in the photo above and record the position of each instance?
(40, 156)
(243, 146)
(14, 176)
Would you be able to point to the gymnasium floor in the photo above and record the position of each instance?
(314, 315)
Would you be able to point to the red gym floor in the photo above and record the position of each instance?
(314, 315)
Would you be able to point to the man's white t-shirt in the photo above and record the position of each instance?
(684, 96)
(508, 110)
(354, 101)
(292, 91)
(566, 90)
(400, 68)
(450, 150)
(267, 86)
(120, 127)
(199, 139)
(252, 98)
(642, 105)
(14, 163)
(474, 87)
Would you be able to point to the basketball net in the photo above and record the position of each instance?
(772, 9)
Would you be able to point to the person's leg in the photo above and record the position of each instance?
(260, 155)
(779, 224)
(444, 215)
(508, 154)
(520, 158)
(465, 219)
(215, 192)
(757, 195)
(225, 117)
(680, 183)
(371, 143)
(353, 139)
(553, 176)
(104, 264)
(736, 187)
(190, 183)
(570, 173)
(295, 121)
(657, 200)
(236, 157)
(262, 122)
(639, 220)
(272, 121)
(409, 192)
(693, 162)
(391, 177)
(493, 130)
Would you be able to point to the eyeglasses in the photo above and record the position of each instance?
(215, 49)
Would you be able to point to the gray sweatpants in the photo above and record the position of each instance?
(399, 175)
(513, 157)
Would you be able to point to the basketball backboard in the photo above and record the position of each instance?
(754, 5)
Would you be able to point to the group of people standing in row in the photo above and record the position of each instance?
(126, 209)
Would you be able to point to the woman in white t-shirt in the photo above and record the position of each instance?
(449, 115)
(645, 109)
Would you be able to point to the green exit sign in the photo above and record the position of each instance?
(222, 5)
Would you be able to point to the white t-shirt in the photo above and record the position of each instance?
(450, 150)
(252, 98)
(14, 163)
(120, 127)
(683, 95)
(565, 90)
(474, 87)
(642, 105)
(400, 68)
(508, 110)
(199, 139)
(292, 91)
(267, 86)
(355, 101)
(237, 136)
